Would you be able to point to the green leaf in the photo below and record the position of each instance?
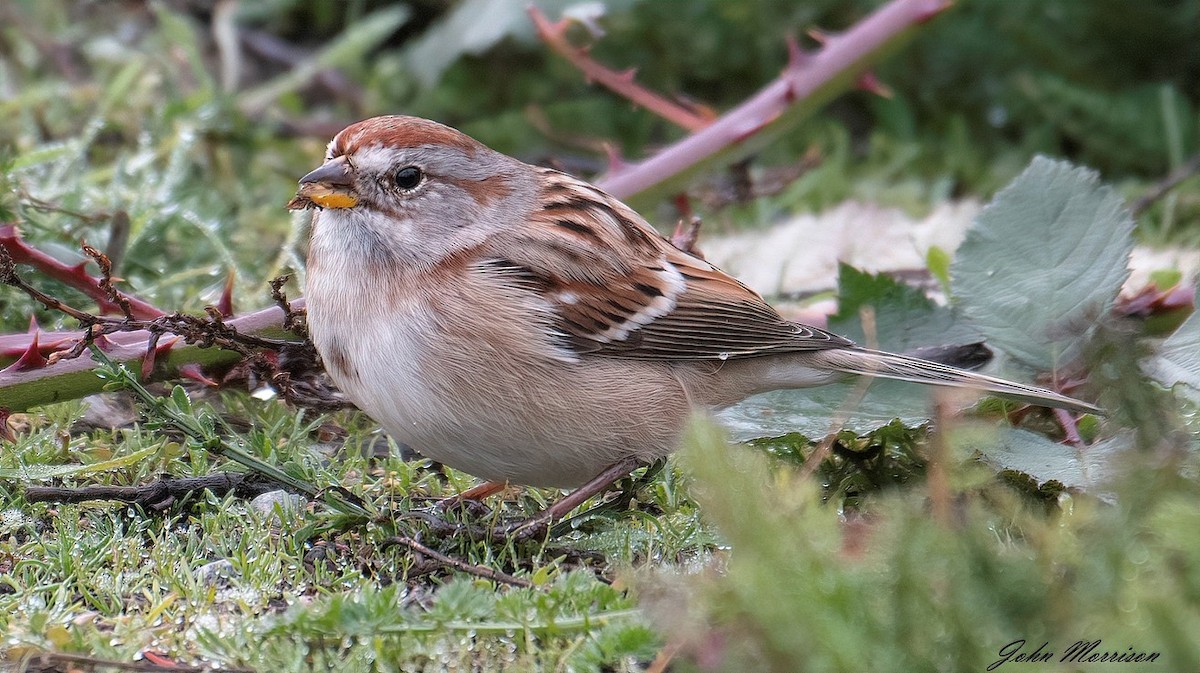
(1043, 458)
(938, 262)
(37, 472)
(180, 397)
(1178, 360)
(1044, 262)
(905, 318)
(812, 412)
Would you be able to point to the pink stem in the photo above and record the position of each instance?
(554, 35)
(810, 79)
(74, 276)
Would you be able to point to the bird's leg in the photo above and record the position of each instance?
(479, 492)
(628, 491)
(472, 498)
(538, 523)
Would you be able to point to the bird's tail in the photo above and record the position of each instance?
(868, 362)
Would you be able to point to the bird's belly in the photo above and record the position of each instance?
(498, 415)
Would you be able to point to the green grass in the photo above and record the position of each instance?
(756, 554)
(111, 580)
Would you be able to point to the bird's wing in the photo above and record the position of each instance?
(619, 289)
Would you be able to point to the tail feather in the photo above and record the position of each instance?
(905, 368)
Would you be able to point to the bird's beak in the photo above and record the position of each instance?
(329, 186)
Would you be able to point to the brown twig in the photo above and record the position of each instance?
(937, 473)
(212, 331)
(554, 34)
(853, 401)
(1070, 428)
(56, 662)
(105, 280)
(1188, 169)
(156, 496)
(737, 187)
(293, 320)
(662, 660)
(469, 568)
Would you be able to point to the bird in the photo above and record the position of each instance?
(521, 325)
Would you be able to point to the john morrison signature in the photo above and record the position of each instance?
(1080, 652)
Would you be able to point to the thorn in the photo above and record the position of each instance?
(103, 342)
(33, 326)
(686, 234)
(81, 269)
(935, 7)
(797, 56)
(225, 303)
(1180, 296)
(31, 359)
(628, 75)
(683, 206)
(153, 348)
(870, 82)
(194, 373)
(615, 162)
(158, 659)
(789, 94)
(819, 36)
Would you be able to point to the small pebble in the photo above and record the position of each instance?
(217, 573)
(289, 503)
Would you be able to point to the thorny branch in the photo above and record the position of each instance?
(291, 367)
(554, 34)
(809, 80)
(22, 253)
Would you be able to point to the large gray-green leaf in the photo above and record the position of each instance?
(1178, 360)
(1043, 262)
(905, 319)
(813, 412)
(1044, 459)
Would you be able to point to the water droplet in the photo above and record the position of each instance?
(723, 356)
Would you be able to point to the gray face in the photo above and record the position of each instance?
(417, 205)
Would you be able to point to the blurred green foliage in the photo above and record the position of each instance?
(940, 578)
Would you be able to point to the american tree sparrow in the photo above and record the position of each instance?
(521, 325)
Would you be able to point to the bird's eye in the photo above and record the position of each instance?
(408, 177)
